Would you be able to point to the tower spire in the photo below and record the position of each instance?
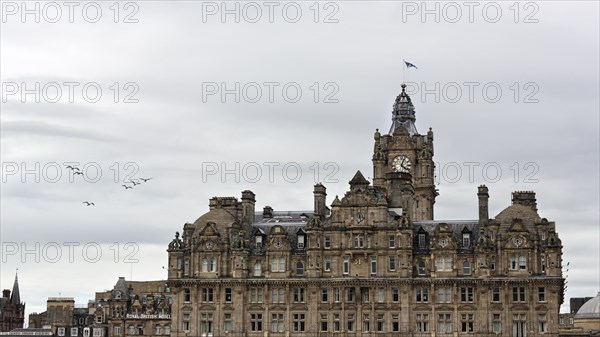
(403, 114)
(15, 297)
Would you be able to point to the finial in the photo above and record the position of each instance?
(403, 87)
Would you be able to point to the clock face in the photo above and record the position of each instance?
(209, 245)
(401, 164)
(443, 242)
(518, 241)
(277, 244)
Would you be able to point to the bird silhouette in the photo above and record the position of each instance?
(76, 173)
(133, 182)
(127, 187)
(87, 203)
(145, 179)
(73, 167)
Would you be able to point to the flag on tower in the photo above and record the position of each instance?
(408, 65)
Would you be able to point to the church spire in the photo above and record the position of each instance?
(403, 114)
(15, 297)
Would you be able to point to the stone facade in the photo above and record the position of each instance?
(375, 263)
(135, 308)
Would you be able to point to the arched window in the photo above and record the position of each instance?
(300, 268)
(130, 330)
(466, 268)
(257, 268)
(204, 264)
(213, 264)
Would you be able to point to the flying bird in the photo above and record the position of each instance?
(145, 179)
(133, 182)
(127, 187)
(87, 203)
(75, 173)
(73, 167)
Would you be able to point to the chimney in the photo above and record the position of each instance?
(267, 212)
(248, 204)
(482, 194)
(525, 198)
(6, 293)
(320, 199)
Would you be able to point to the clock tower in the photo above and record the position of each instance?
(403, 164)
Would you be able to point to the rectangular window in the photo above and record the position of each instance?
(395, 322)
(444, 263)
(395, 295)
(444, 323)
(277, 323)
(336, 294)
(336, 322)
(444, 295)
(187, 295)
(97, 332)
(392, 241)
(496, 294)
(541, 294)
(327, 264)
(392, 264)
(256, 295)
(373, 265)
(513, 262)
(298, 295)
(522, 262)
(519, 325)
(496, 323)
(228, 295)
(350, 294)
(422, 322)
(380, 323)
(324, 295)
(256, 322)
(327, 242)
(61, 331)
(74, 331)
(422, 295)
(350, 323)
(346, 267)
(206, 324)
(207, 295)
(366, 323)
(323, 322)
(227, 323)
(364, 294)
(518, 294)
(466, 323)
(277, 295)
(185, 323)
(299, 322)
(466, 295)
(421, 241)
(466, 241)
(300, 241)
(542, 326)
(380, 295)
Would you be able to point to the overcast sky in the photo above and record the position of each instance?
(511, 93)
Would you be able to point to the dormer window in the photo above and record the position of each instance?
(258, 241)
(466, 240)
(422, 242)
(301, 239)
